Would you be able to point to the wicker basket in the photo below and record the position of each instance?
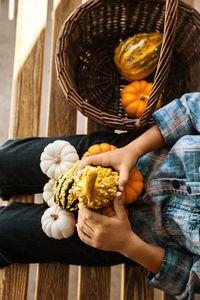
(85, 47)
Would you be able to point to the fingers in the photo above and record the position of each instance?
(104, 159)
(123, 178)
(119, 206)
(88, 225)
(84, 227)
(83, 235)
(90, 160)
(90, 217)
(84, 224)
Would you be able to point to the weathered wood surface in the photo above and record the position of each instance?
(25, 111)
(28, 68)
(94, 283)
(94, 126)
(52, 282)
(52, 279)
(62, 116)
(133, 284)
(14, 282)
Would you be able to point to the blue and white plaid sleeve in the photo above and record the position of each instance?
(174, 273)
(178, 118)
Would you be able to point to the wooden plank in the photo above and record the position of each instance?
(28, 67)
(94, 126)
(25, 110)
(94, 283)
(61, 121)
(14, 282)
(133, 285)
(53, 283)
(62, 116)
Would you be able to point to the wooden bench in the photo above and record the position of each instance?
(52, 279)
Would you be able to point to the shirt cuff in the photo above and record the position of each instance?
(174, 119)
(174, 272)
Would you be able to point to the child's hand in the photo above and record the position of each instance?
(121, 160)
(115, 234)
(102, 232)
(124, 159)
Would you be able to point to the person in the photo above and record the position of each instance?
(162, 230)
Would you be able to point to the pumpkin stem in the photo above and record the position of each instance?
(143, 97)
(54, 216)
(57, 160)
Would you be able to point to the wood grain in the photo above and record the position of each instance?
(52, 282)
(94, 283)
(25, 111)
(94, 126)
(62, 116)
(28, 68)
(61, 121)
(134, 285)
(14, 282)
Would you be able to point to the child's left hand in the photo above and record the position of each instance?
(115, 234)
(103, 232)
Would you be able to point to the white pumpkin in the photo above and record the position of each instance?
(58, 223)
(48, 192)
(57, 157)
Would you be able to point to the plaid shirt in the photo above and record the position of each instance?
(167, 214)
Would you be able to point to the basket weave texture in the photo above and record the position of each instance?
(85, 49)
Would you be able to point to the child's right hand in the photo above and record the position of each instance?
(122, 160)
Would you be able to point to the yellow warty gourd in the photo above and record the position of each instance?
(95, 187)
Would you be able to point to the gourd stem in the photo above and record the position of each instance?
(54, 216)
(57, 160)
(144, 97)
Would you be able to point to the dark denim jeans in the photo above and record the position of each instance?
(21, 235)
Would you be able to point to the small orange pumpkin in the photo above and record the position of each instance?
(135, 97)
(109, 211)
(135, 184)
(99, 148)
(134, 187)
